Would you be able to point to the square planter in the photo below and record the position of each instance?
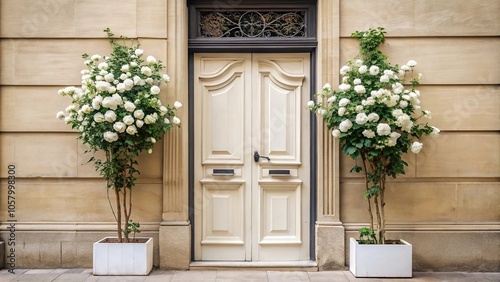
(123, 258)
(367, 260)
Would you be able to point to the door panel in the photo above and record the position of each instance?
(248, 210)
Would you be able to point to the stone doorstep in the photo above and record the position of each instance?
(259, 266)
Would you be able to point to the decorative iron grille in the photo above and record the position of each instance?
(252, 24)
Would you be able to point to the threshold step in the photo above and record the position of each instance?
(255, 265)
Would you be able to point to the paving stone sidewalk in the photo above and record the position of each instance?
(76, 275)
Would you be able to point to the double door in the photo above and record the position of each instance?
(251, 154)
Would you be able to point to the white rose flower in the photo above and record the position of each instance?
(146, 71)
(331, 99)
(374, 70)
(99, 77)
(151, 60)
(345, 125)
(166, 120)
(368, 133)
(163, 110)
(384, 78)
(356, 82)
(373, 117)
(363, 69)
(344, 70)
(344, 87)
(322, 112)
(155, 90)
(149, 119)
(360, 89)
(150, 151)
(128, 119)
(98, 117)
(86, 109)
(176, 120)
(398, 88)
(129, 106)
(95, 57)
(129, 83)
(96, 102)
(411, 63)
(359, 108)
(416, 147)
(403, 104)
(110, 136)
(110, 116)
(166, 78)
(125, 68)
(327, 87)
(103, 66)
(343, 102)
(383, 129)
(177, 105)
(405, 68)
(397, 113)
(435, 131)
(131, 129)
(109, 77)
(394, 135)
(310, 104)
(118, 99)
(341, 111)
(404, 121)
(139, 114)
(370, 101)
(139, 123)
(336, 133)
(121, 87)
(123, 76)
(137, 79)
(102, 85)
(149, 80)
(361, 118)
(109, 102)
(358, 62)
(133, 64)
(138, 52)
(112, 90)
(60, 115)
(153, 140)
(119, 126)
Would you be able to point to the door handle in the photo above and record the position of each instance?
(256, 157)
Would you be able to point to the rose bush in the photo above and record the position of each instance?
(375, 115)
(117, 110)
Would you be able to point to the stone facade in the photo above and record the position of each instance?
(446, 205)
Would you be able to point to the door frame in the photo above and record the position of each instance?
(238, 45)
(312, 149)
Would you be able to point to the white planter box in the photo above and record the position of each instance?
(123, 258)
(368, 260)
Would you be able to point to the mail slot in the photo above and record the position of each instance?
(223, 172)
(279, 172)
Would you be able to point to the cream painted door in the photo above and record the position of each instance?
(249, 208)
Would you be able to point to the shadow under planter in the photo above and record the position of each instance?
(123, 258)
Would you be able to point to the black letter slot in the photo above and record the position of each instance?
(223, 172)
(279, 172)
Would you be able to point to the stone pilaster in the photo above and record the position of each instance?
(175, 230)
(330, 248)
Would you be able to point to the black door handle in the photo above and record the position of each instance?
(256, 157)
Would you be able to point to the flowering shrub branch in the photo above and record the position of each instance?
(117, 110)
(375, 116)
